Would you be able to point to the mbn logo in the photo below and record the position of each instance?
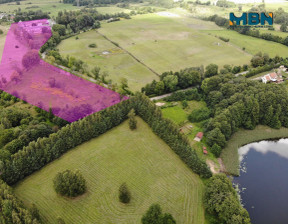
(251, 18)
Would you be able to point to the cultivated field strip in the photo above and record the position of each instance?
(152, 171)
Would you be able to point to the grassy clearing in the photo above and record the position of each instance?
(2, 39)
(180, 117)
(172, 43)
(242, 137)
(252, 45)
(111, 10)
(152, 171)
(53, 6)
(117, 62)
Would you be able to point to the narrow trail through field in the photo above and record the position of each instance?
(117, 45)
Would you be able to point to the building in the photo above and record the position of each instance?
(272, 77)
(198, 137)
(205, 152)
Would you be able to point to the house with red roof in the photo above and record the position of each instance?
(272, 77)
(198, 137)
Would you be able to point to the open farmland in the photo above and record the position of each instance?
(252, 45)
(2, 39)
(167, 41)
(109, 58)
(52, 6)
(152, 171)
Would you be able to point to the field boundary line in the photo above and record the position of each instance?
(139, 61)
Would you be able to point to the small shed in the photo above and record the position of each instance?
(198, 137)
(205, 152)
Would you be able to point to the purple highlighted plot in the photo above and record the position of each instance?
(24, 75)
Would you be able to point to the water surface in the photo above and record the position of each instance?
(263, 181)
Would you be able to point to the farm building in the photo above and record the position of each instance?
(272, 77)
(198, 137)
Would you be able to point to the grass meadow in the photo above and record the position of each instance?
(53, 6)
(166, 43)
(152, 171)
(117, 62)
(252, 45)
(229, 154)
(2, 39)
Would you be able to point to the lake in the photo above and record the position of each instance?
(263, 181)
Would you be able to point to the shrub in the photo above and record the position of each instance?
(1, 31)
(199, 115)
(224, 39)
(92, 45)
(124, 194)
(69, 183)
(154, 215)
(184, 104)
(216, 150)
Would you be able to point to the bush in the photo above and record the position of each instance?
(216, 150)
(154, 216)
(224, 39)
(1, 31)
(69, 183)
(92, 45)
(199, 115)
(124, 194)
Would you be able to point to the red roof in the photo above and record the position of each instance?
(199, 135)
(204, 148)
(205, 152)
(273, 75)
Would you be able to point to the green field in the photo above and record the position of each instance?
(152, 171)
(242, 137)
(252, 45)
(53, 6)
(117, 63)
(111, 10)
(169, 42)
(2, 39)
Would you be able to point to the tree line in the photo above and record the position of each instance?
(38, 153)
(172, 81)
(221, 200)
(240, 103)
(13, 211)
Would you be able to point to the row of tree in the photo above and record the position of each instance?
(37, 154)
(13, 211)
(172, 81)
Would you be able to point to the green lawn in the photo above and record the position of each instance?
(180, 115)
(53, 6)
(252, 45)
(111, 10)
(152, 171)
(242, 137)
(117, 63)
(166, 43)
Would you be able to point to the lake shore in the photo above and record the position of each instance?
(229, 154)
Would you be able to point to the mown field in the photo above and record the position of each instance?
(252, 45)
(229, 154)
(53, 6)
(152, 171)
(2, 39)
(117, 62)
(172, 42)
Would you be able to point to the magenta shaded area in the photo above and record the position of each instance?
(24, 75)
